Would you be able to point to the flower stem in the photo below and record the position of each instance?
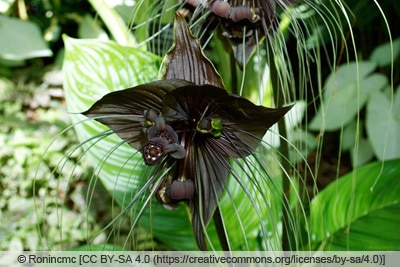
(284, 153)
(219, 226)
(234, 78)
(284, 150)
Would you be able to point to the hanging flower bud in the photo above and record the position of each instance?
(242, 23)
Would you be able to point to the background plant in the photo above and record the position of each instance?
(332, 142)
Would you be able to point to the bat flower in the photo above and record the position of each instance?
(243, 23)
(188, 126)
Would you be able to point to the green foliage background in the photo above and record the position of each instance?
(49, 194)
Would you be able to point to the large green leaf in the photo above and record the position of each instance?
(359, 211)
(383, 125)
(92, 69)
(382, 54)
(346, 92)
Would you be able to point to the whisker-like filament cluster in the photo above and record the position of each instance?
(185, 152)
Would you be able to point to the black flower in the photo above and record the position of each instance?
(190, 126)
(243, 23)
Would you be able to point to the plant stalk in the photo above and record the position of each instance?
(284, 154)
(284, 149)
(234, 78)
(219, 226)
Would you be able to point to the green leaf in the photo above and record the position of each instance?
(382, 54)
(114, 22)
(98, 247)
(346, 92)
(359, 211)
(88, 28)
(349, 72)
(304, 143)
(24, 40)
(92, 69)
(364, 235)
(383, 125)
(354, 141)
(349, 135)
(362, 153)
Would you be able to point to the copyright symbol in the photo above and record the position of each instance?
(21, 259)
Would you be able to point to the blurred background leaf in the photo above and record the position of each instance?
(383, 125)
(21, 40)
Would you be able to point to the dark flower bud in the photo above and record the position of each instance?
(176, 151)
(160, 129)
(240, 13)
(193, 3)
(159, 123)
(150, 116)
(162, 196)
(221, 8)
(169, 193)
(181, 190)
